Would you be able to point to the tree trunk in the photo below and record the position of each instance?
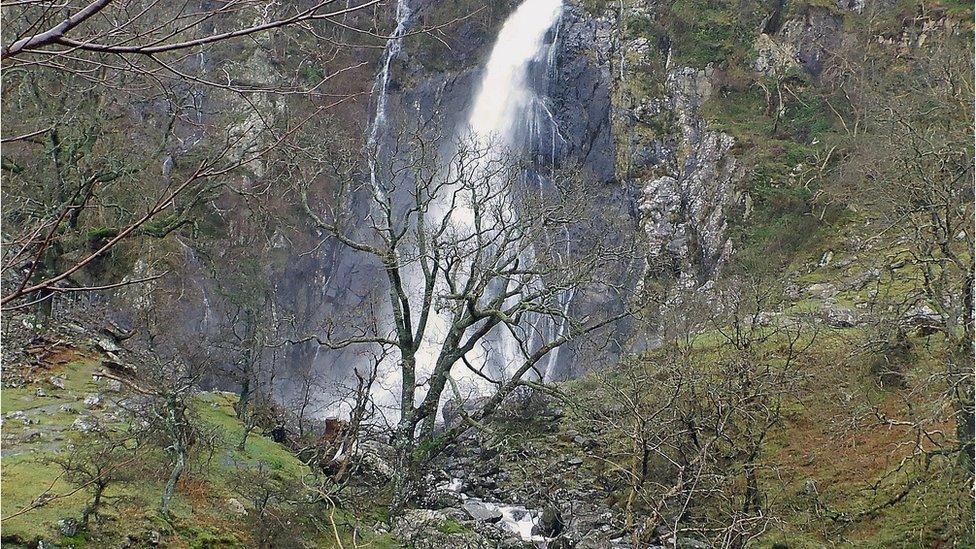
(174, 478)
(92, 508)
(404, 467)
(752, 502)
(965, 395)
(244, 398)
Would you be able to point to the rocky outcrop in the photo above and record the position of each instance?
(685, 211)
(802, 41)
(580, 96)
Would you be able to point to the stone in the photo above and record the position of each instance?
(154, 537)
(574, 461)
(550, 523)
(68, 526)
(839, 317)
(822, 289)
(481, 511)
(93, 401)
(424, 529)
(772, 58)
(825, 259)
(57, 382)
(107, 345)
(31, 435)
(923, 318)
(85, 424)
(377, 458)
(236, 507)
(40, 392)
(114, 386)
(19, 415)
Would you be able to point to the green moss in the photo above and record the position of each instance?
(28, 471)
(217, 410)
(704, 32)
(102, 233)
(451, 526)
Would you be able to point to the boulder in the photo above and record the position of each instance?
(68, 526)
(85, 424)
(107, 346)
(426, 529)
(236, 507)
(19, 415)
(822, 289)
(839, 317)
(93, 401)
(377, 458)
(452, 409)
(481, 511)
(923, 318)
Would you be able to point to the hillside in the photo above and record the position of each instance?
(518, 273)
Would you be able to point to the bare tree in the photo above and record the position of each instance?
(87, 86)
(102, 459)
(912, 164)
(684, 426)
(475, 261)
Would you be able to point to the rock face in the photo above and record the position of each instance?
(685, 212)
(580, 95)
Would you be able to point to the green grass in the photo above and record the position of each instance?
(200, 518)
(24, 478)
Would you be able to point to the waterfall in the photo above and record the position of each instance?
(388, 377)
(393, 47)
(504, 109)
(505, 95)
(506, 99)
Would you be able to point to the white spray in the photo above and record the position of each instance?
(503, 100)
(393, 48)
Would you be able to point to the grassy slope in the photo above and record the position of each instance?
(784, 236)
(201, 517)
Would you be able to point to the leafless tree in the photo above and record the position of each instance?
(86, 87)
(471, 256)
(102, 459)
(684, 426)
(912, 166)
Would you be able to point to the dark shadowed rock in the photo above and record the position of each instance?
(550, 523)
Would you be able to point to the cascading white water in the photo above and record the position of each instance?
(505, 94)
(507, 99)
(502, 106)
(386, 385)
(380, 88)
